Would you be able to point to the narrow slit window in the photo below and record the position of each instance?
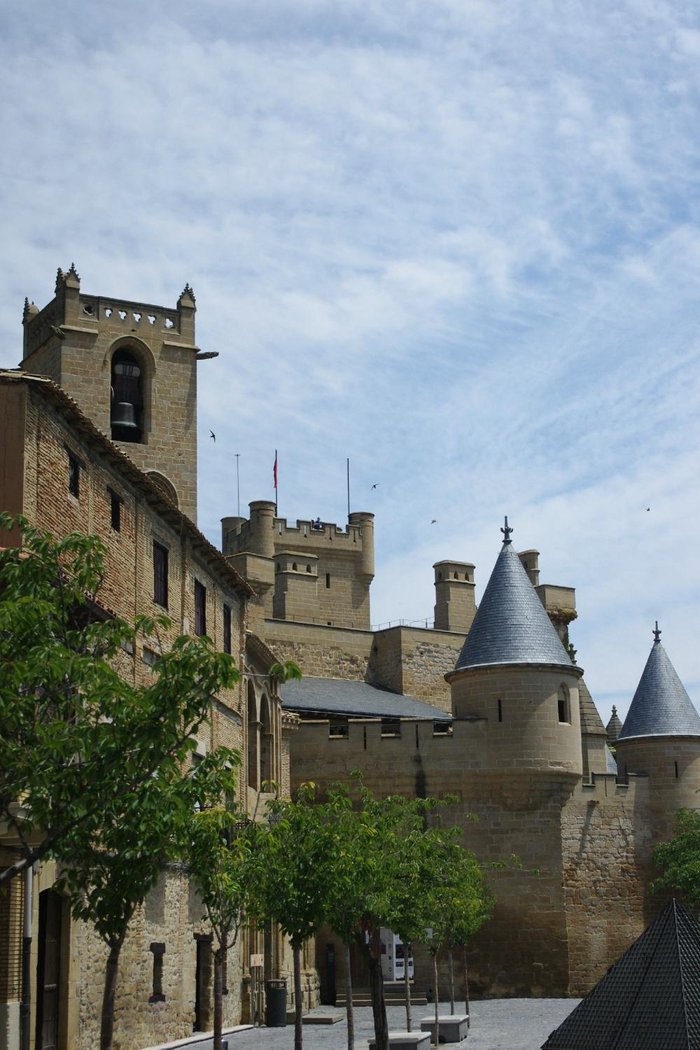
(73, 475)
(160, 574)
(563, 704)
(200, 608)
(227, 628)
(158, 950)
(328, 579)
(500, 710)
(115, 510)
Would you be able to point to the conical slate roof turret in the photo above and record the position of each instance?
(511, 625)
(613, 727)
(660, 706)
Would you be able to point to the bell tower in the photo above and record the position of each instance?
(132, 368)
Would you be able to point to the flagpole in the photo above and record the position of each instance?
(274, 474)
(238, 485)
(347, 464)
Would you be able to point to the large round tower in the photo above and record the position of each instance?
(515, 700)
(661, 739)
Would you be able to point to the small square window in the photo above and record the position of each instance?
(200, 608)
(227, 628)
(160, 574)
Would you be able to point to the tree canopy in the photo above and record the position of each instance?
(679, 859)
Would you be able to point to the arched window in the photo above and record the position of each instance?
(266, 742)
(253, 739)
(165, 485)
(126, 412)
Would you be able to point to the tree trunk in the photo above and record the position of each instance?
(109, 995)
(297, 998)
(407, 987)
(451, 971)
(437, 998)
(219, 958)
(466, 984)
(349, 1011)
(376, 983)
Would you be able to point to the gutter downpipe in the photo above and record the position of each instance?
(26, 1004)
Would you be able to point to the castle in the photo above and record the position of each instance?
(487, 707)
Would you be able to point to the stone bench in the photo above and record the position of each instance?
(405, 1041)
(452, 1028)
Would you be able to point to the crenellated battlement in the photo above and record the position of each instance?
(71, 310)
(321, 571)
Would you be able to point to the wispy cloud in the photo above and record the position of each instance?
(455, 241)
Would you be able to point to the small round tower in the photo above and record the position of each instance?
(660, 738)
(261, 530)
(515, 678)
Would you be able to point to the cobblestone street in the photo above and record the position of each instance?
(496, 1024)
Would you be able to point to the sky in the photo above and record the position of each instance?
(456, 242)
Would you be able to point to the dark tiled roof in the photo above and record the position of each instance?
(355, 699)
(648, 1000)
(660, 706)
(511, 625)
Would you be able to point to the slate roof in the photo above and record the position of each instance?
(648, 1000)
(511, 625)
(660, 706)
(355, 699)
(614, 726)
(591, 722)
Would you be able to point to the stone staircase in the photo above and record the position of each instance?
(393, 995)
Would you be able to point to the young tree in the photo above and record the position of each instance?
(679, 858)
(290, 876)
(218, 849)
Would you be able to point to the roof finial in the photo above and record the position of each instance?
(614, 709)
(657, 633)
(506, 530)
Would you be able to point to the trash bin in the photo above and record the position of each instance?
(276, 1003)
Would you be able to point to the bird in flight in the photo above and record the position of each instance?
(212, 435)
(434, 521)
(375, 486)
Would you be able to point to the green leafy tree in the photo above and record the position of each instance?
(91, 766)
(679, 859)
(218, 850)
(290, 876)
(76, 733)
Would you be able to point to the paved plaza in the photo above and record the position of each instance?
(496, 1024)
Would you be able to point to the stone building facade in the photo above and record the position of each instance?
(59, 470)
(486, 705)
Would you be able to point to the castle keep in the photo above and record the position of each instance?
(487, 706)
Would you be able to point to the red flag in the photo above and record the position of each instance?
(274, 470)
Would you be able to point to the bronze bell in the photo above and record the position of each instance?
(124, 415)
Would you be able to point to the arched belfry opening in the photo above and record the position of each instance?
(127, 396)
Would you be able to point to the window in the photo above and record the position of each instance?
(563, 705)
(328, 579)
(200, 608)
(73, 474)
(115, 510)
(160, 574)
(158, 950)
(391, 727)
(227, 628)
(338, 729)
